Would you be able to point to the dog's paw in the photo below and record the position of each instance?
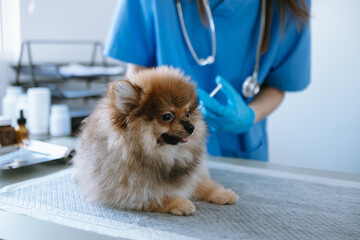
(181, 206)
(223, 196)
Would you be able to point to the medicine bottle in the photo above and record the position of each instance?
(21, 132)
(22, 104)
(39, 99)
(7, 132)
(60, 121)
(9, 102)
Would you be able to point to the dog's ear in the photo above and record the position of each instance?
(125, 95)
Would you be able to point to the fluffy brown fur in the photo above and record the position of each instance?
(144, 148)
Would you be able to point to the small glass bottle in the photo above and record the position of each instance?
(21, 131)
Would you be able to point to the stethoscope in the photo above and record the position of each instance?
(251, 85)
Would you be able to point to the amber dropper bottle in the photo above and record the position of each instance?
(21, 132)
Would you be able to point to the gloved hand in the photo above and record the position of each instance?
(235, 117)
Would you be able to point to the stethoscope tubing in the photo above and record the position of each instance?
(211, 58)
(251, 85)
(261, 37)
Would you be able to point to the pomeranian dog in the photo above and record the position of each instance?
(143, 147)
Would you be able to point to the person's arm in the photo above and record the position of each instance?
(133, 68)
(268, 99)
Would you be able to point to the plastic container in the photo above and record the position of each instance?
(60, 121)
(38, 110)
(9, 103)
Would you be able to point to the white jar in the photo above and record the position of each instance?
(9, 102)
(60, 121)
(38, 110)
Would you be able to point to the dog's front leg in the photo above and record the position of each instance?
(209, 191)
(175, 205)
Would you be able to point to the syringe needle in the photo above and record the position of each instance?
(212, 94)
(218, 87)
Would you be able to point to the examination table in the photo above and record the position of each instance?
(275, 202)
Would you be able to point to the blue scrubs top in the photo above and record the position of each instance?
(148, 33)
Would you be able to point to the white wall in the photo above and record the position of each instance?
(10, 45)
(60, 20)
(65, 20)
(320, 128)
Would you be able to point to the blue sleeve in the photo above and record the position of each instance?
(131, 35)
(291, 68)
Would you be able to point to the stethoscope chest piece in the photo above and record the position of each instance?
(250, 87)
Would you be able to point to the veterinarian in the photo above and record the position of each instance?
(229, 42)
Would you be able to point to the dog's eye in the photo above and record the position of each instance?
(187, 114)
(167, 117)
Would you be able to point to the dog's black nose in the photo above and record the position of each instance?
(189, 128)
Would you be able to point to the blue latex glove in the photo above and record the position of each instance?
(235, 117)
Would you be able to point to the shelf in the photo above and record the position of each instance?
(71, 94)
(79, 85)
(70, 71)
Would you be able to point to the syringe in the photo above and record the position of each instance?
(212, 94)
